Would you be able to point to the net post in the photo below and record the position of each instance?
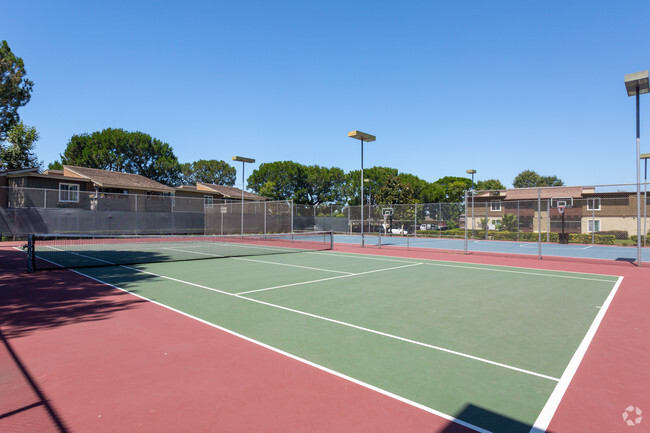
(31, 258)
(331, 239)
(379, 240)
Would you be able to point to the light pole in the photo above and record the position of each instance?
(637, 84)
(644, 157)
(472, 172)
(369, 203)
(243, 164)
(364, 138)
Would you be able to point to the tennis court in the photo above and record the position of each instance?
(437, 335)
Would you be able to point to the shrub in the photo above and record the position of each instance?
(618, 234)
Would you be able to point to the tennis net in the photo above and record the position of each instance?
(55, 251)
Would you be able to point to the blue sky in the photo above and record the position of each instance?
(499, 86)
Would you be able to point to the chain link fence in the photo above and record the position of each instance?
(514, 221)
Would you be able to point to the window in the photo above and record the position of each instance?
(495, 205)
(68, 192)
(593, 204)
(208, 201)
(594, 226)
(170, 195)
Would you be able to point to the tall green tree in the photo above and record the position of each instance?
(288, 180)
(212, 171)
(490, 184)
(15, 89)
(376, 176)
(395, 191)
(19, 151)
(530, 179)
(279, 180)
(451, 189)
(323, 184)
(128, 152)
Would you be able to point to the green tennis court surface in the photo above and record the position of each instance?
(440, 335)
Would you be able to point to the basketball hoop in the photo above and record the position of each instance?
(561, 209)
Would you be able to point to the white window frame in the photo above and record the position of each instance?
(593, 204)
(208, 201)
(496, 208)
(590, 226)
(72, 190)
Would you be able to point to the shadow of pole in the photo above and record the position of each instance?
(57, 423)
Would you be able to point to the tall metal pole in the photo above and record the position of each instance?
(243, 176)
(362, 240)
(473, 192)
(243, 180)
(645, 203)
(638, 179)
(358, 135)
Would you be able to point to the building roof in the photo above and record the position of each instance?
(531, 193)
(228, 191)
(20, 171)
(115, 179)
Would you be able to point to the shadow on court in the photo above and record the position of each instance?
(489, 420)
(23, 406)
(49, 299)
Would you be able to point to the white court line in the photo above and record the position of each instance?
(547, 246)
(263, 261)
(361, 328)
(326, 279)
(297, 358)
(491, 268)
(541, 274)
(372, 331)
(545, 416)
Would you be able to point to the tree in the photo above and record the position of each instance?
(490, 184)
(509, 223)
(451, 189)
(550, 181)
(128, 152)
(395, 191)
(15, 89)
(377, 177)
(20, 151)
(323, 185)
(288, 180)
(279, 180)
(212, 171)
(530, 179)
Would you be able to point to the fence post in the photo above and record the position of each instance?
(415, 227)
(593, 221)
(487, 220)
(465, 222)
(518, 225)
(539, 223)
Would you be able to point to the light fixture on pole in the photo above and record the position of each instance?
(472, 172)
(636, 84)
(243, 163)
(358, 135)
(644, 157)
